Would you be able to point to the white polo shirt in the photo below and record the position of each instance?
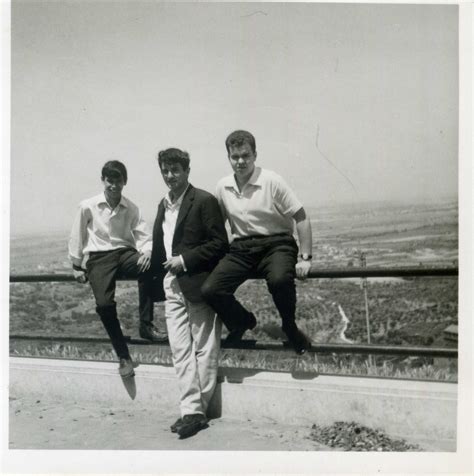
(265, 206)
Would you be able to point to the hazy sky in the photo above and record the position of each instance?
(347, 102)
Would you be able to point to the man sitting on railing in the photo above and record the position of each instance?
(262, 211)
(110, 229)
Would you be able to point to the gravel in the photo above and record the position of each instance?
(354, 437)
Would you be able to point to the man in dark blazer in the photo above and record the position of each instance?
(189, 239)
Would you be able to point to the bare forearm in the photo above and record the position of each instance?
(305, 234)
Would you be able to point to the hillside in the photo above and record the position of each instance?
(414, 311)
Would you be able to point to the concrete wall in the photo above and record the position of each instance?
(417, 411)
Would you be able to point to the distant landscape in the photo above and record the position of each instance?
(402, 311)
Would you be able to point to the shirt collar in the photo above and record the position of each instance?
(103, 200)
(170, 204)
(255, 179)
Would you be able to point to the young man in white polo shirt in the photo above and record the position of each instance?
(262, 211)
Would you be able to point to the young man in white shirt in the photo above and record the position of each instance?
(262, 212)
(110, 231)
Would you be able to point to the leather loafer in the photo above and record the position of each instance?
(150, 332)
(174, 427)
(236, 335)
(126, 368)
(191, 424)
(300, 342)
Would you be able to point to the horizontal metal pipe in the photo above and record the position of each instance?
(314, 273)
(255, 345)
(381, 272)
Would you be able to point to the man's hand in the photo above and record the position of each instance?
(302, 269)
(174, 265)
(80, 276)
(144, 261)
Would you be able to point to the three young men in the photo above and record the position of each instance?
(189, 239)
(190, 264)
(109, 229)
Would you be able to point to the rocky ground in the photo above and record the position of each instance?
(354, 437)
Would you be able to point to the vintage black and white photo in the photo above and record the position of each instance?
(238, 228)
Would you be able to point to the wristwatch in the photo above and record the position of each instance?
(306, 257)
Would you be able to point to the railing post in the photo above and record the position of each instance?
(363, 263)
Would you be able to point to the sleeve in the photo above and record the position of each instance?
(220, 201)
(157, 242)
(216, 244)
(143, 239)
(284, 197)
(78, 236)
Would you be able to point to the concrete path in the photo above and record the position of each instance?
(67, 424)
(258, 410)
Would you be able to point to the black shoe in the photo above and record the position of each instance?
(126, 368)
(236, 335)
(149, 332)
(174, 427)
(191, 424)
(300, 342)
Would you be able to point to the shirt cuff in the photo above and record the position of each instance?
(146, 247)
(75, 261)
(182, 262)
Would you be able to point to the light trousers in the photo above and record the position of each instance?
(194, 333)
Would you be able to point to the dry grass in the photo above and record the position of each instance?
(309, 364)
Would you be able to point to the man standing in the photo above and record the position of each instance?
(262, 211)
(189, 238)
(110, 230)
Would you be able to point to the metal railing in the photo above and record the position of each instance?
(315, 273)
(350, 272)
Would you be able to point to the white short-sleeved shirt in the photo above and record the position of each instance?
(265, 206)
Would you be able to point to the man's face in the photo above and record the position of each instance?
(242, 159)
(175, 177)
(113, 186)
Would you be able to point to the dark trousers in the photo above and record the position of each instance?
(272, 258)
(103, 269)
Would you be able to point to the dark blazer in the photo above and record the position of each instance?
(200, 237)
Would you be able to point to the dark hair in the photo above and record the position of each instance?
(114, 169)
(239, 138)
(174, 156)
